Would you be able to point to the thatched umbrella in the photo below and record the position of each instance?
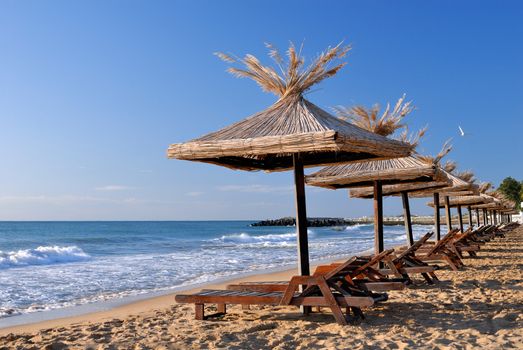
(293, 133)
(500, 202)
(461, 201)
(373, 175)
(459, 187)
(376, 173)
(451, 186)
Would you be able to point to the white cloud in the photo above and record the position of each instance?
(52, 199)
(255, 188)
(194, 194)
(113, 188)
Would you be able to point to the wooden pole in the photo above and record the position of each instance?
(301, 217)
(406, 217)
(447, 213)
(470, 216)
(477, 217)
(436, 216)
(378, 218)
(301, 223)
(460, 219)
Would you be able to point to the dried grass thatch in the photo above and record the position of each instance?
(467, 176)
(485, 186)
(392, 171)
(293, 78)
(390, 121)
(268, 139)
(445, 149)
(464, 201)
(368, 118)
(450, 166)
(458, 187)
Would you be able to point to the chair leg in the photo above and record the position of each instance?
(434, 277)
(427, 278)
(331, 301)
(451, 263)
(199, 312)
(222, 309)
(358, 313)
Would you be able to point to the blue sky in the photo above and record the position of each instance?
(93, 92)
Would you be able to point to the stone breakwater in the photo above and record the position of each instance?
(321, 222)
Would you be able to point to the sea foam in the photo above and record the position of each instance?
(245, 238)
(43, 255)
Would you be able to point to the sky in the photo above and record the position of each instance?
(93, 92)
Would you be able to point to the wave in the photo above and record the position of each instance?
(357, 227)
(43, 255)
(245, 238)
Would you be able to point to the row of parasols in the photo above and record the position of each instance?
(294, 133)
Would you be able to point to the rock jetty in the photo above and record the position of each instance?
(321, 222)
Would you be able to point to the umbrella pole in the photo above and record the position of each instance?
(447, 213)
(470, 216)
(301, 223)
(436, 216)
(378, 218)
(477, 217)
(406, 217)
(460, 219)
(301, 217)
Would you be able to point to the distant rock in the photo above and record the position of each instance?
(324, 222)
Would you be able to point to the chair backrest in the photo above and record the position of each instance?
(443, 242)
(465, 235)
(373, 261)
(413, 248)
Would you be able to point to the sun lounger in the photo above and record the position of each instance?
(406, 262)
(443, 251)
(357, 271)
(320, 292)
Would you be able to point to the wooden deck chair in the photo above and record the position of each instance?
(405, 262)
(357, 272)
(320, 292)
(442, 251)
(463, 243)
(486, 234)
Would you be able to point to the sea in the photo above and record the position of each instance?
(61, 265)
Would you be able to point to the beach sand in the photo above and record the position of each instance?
(480, 306)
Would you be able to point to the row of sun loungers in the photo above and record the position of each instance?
(356, 283)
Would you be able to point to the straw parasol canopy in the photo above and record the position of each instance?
(405, 170)
(465, 201)
(292, 133)
(268, 139)
(457, 187)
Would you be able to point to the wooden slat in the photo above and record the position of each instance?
(408, 270)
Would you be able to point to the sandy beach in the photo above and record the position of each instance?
(480, 306)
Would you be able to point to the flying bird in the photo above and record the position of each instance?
(461, 132)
